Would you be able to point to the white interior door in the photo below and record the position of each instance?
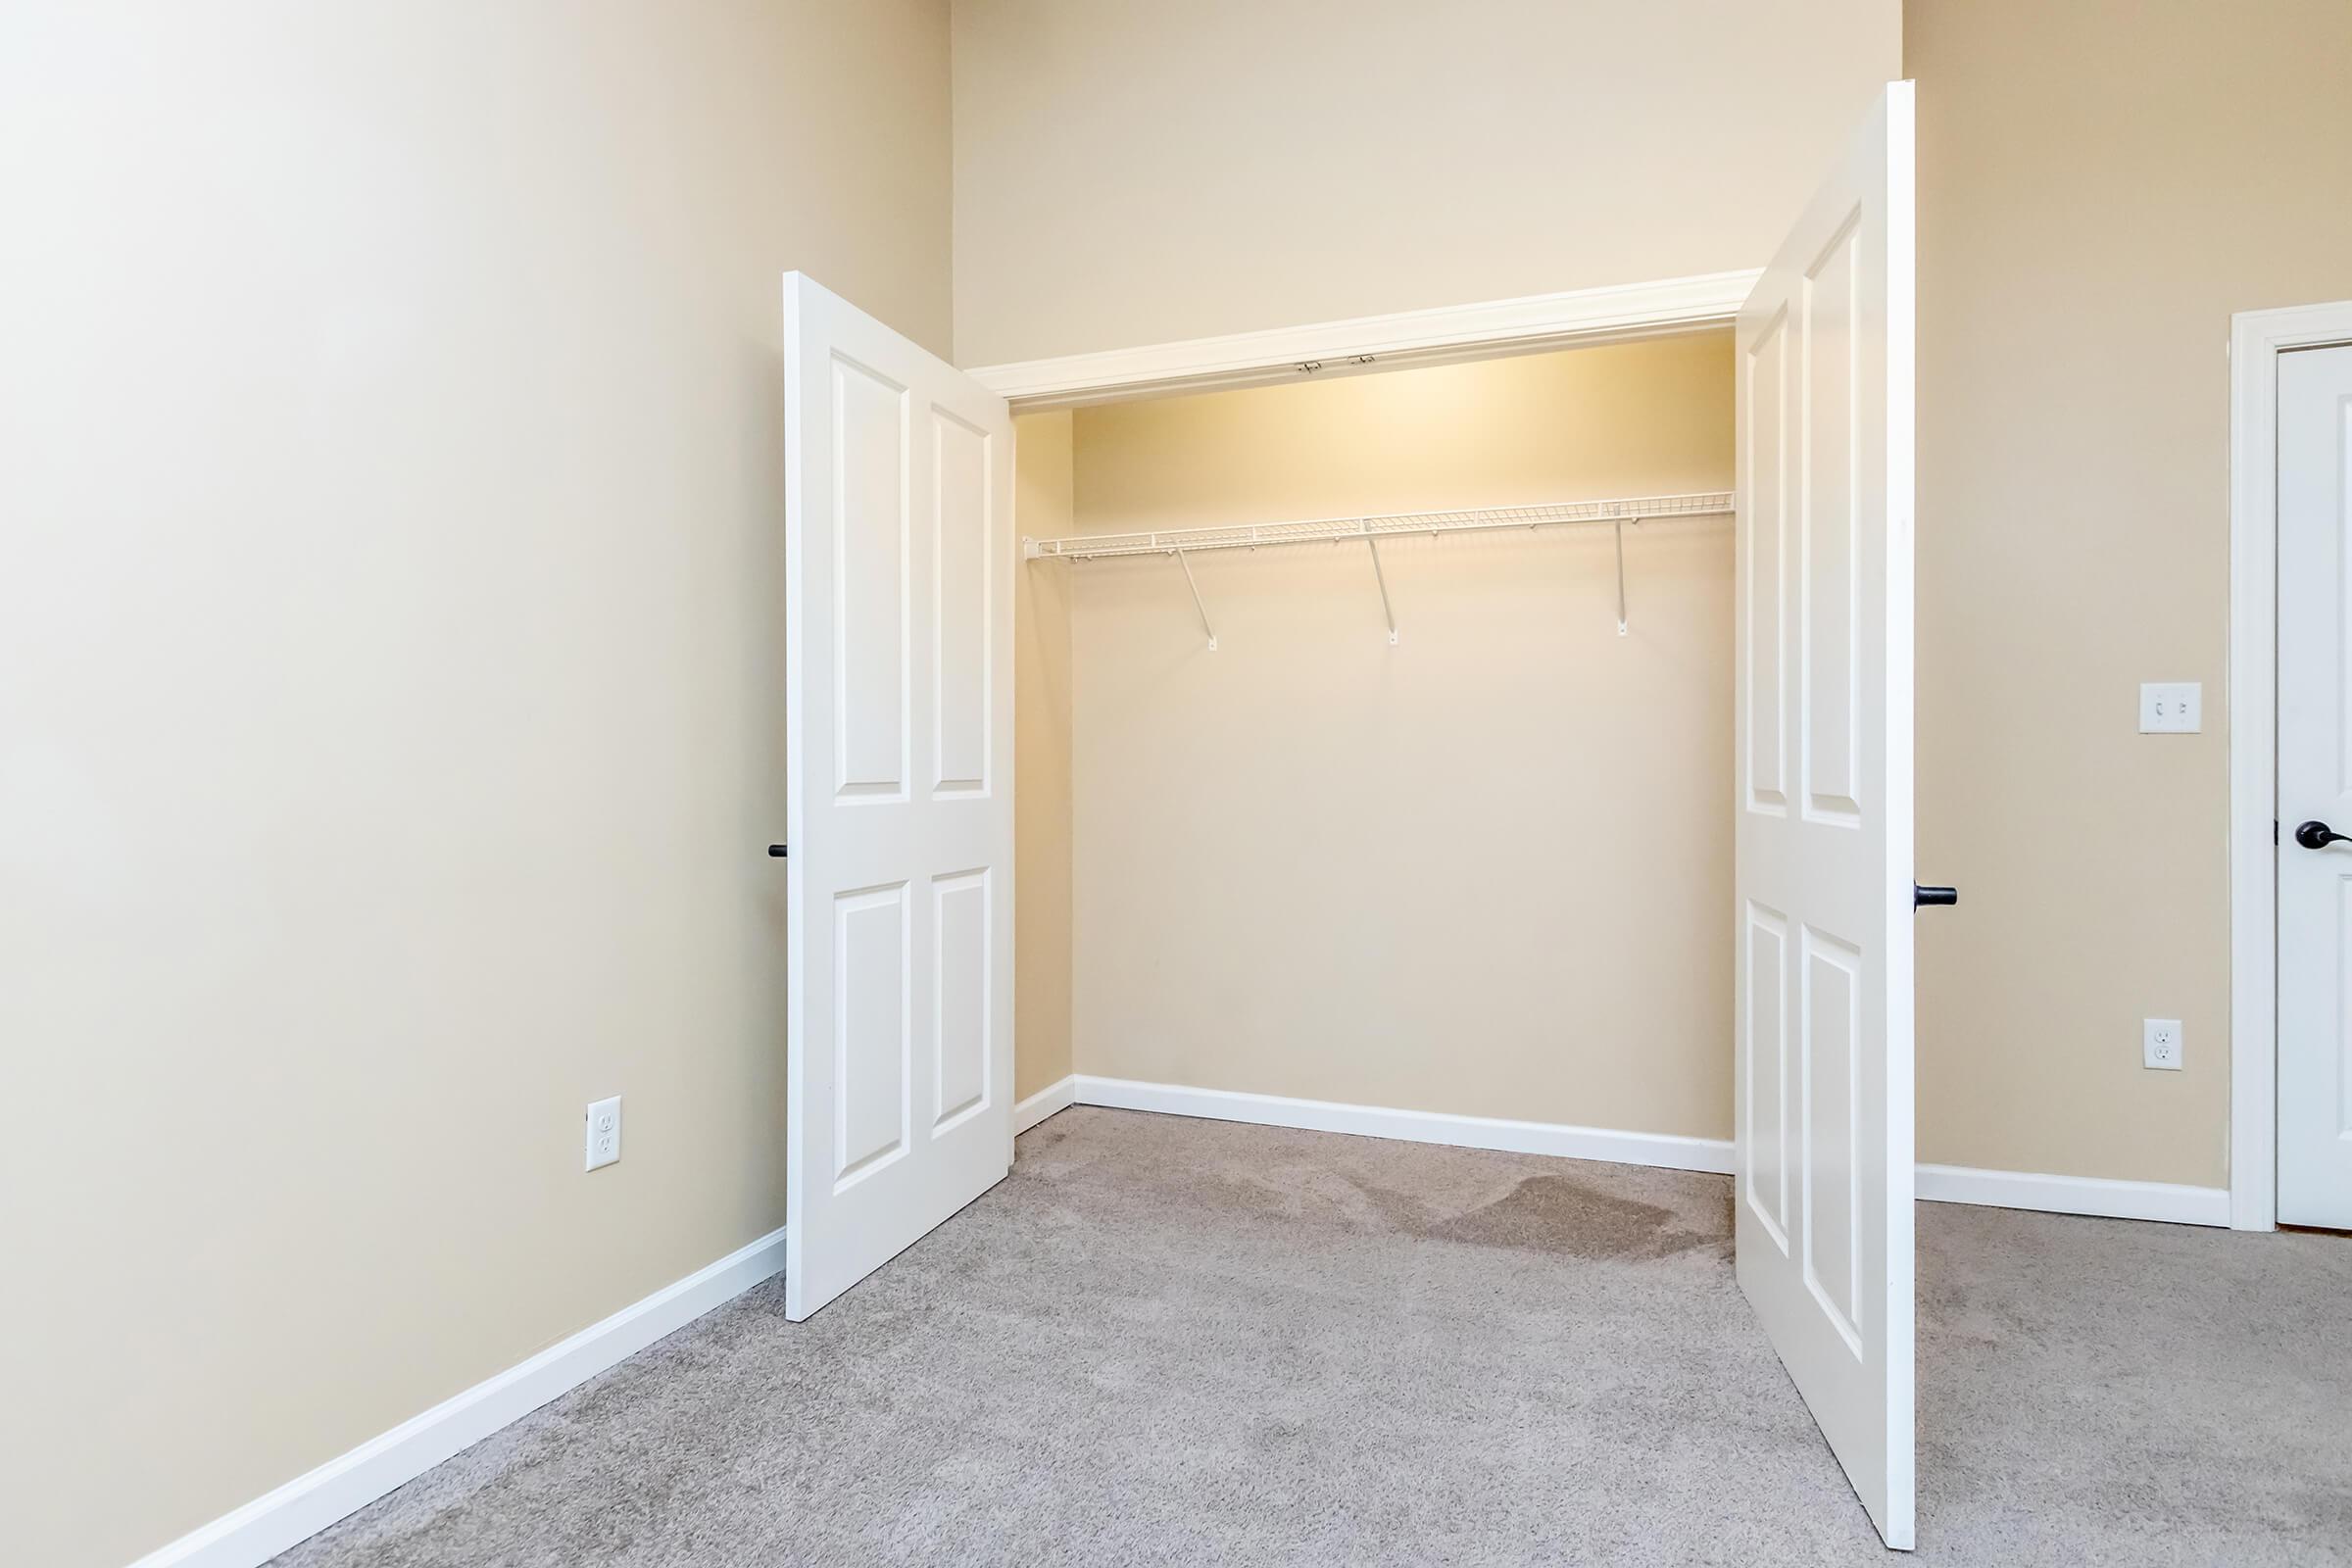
(1824, 746)
(898, 739)
(2315, 787)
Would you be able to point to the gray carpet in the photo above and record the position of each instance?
(1165, 1340)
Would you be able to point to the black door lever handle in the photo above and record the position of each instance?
(2318, 835)
(775, 851)
(1920, 897)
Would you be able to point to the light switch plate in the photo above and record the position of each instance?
(2171, 707)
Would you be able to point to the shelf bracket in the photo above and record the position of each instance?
(1196, 604)
(1620, 531)
(1372, 543)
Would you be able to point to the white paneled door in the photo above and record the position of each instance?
(2315, 787)
(899, 556)
(1824, 809)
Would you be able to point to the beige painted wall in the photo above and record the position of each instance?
(1130, 171)
(1486, 870)
(1041, 666)
(388, 444)
(2101, 184)
(391, 454)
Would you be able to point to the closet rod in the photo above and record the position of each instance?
(1173, 541)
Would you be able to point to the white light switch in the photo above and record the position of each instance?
(603, 1132)
(2171, 707)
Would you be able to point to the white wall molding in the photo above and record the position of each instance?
(2075, 1195)
(1936, 1184)
(2256, 340)
(1486, 330)
(1412, 1126)
(1044, 1103)
(309, 1503)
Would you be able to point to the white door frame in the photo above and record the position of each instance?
(2256, 340)
(1536, 324)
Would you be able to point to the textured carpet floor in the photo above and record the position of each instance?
(1165, 1340)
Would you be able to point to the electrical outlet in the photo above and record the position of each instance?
(603, 1132)
(2159, 1043)
(2171, 707)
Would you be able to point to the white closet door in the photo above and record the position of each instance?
(1824, 748)
(2315, 788)
(899, 740)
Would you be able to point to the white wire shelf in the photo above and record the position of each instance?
(1252, 536)
(1621, 513)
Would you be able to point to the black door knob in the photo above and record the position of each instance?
(775, 851)
(2318, 835)
(1920, 897)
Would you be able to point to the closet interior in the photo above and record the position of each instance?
(1375, 743)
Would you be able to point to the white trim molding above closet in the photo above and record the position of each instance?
(1620, 512)
(1531, 325)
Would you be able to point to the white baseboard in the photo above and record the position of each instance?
(1936, 1184)
(309, 1503)
(1412, 1126)
(2075, 1195)
(1044, 1103)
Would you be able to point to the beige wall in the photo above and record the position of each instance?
(2084, 236)
(2101, 184)
(1486, 870)
(390, 454)
(1130, 171)
(1041, 701)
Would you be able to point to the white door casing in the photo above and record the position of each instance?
(2315, 784)
(899, 552)
(1824, 911)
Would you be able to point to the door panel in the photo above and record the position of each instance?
(899, 741)
(1824, 648)
(1764, 566)
(2315, 784)
(961, 1033)
(1764, 1073)
(965, 554)
(872, 1087)
(866, 514)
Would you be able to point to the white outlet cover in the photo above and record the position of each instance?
(2171, 707)
(2159, 1043)
(603, 1132)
